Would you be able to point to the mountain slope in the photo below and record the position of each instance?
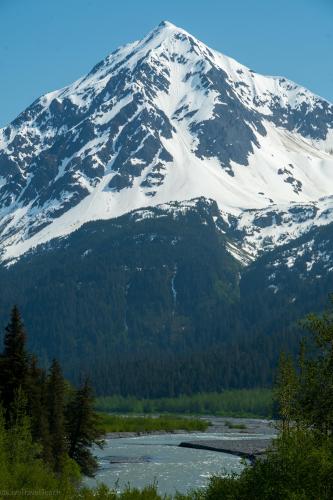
(157, 292)
(162, 119)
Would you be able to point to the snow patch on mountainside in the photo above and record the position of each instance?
(264, 230)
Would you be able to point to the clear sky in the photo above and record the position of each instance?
(47, 44)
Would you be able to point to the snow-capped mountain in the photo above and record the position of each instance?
(167, 119)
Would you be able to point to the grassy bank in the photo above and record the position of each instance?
(117, 423)
(231, 403)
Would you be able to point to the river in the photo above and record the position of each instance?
(139, 461)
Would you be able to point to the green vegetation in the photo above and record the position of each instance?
(117, 423)
(22, 466)
(104, 493)
(232, 425)
(231, 403)
(59, 421)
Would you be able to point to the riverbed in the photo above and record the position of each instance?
(141, 460)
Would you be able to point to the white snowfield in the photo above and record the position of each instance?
(285, 168)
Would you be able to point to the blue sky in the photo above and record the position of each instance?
(46, 44)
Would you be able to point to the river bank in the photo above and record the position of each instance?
(123, 435)
(215, 425)
(116, 423)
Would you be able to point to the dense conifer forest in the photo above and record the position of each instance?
(163, 295)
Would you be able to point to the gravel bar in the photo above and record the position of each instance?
(247, 448)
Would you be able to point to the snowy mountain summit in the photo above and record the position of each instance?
(167, 119)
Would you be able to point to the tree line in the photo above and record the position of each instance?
(61, 419)
(252, 403)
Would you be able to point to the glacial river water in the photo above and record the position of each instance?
(139, 461)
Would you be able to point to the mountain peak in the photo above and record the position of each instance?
(167, 24)
(166, 29)
(161, 119)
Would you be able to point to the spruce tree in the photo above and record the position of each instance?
(38, 408)
(316, 394)
(56, 415)
(306, 396)
(287, 391)
(14, 362)
(83, 429)
(34, 397)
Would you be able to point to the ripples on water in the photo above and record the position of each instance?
(139, 461)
